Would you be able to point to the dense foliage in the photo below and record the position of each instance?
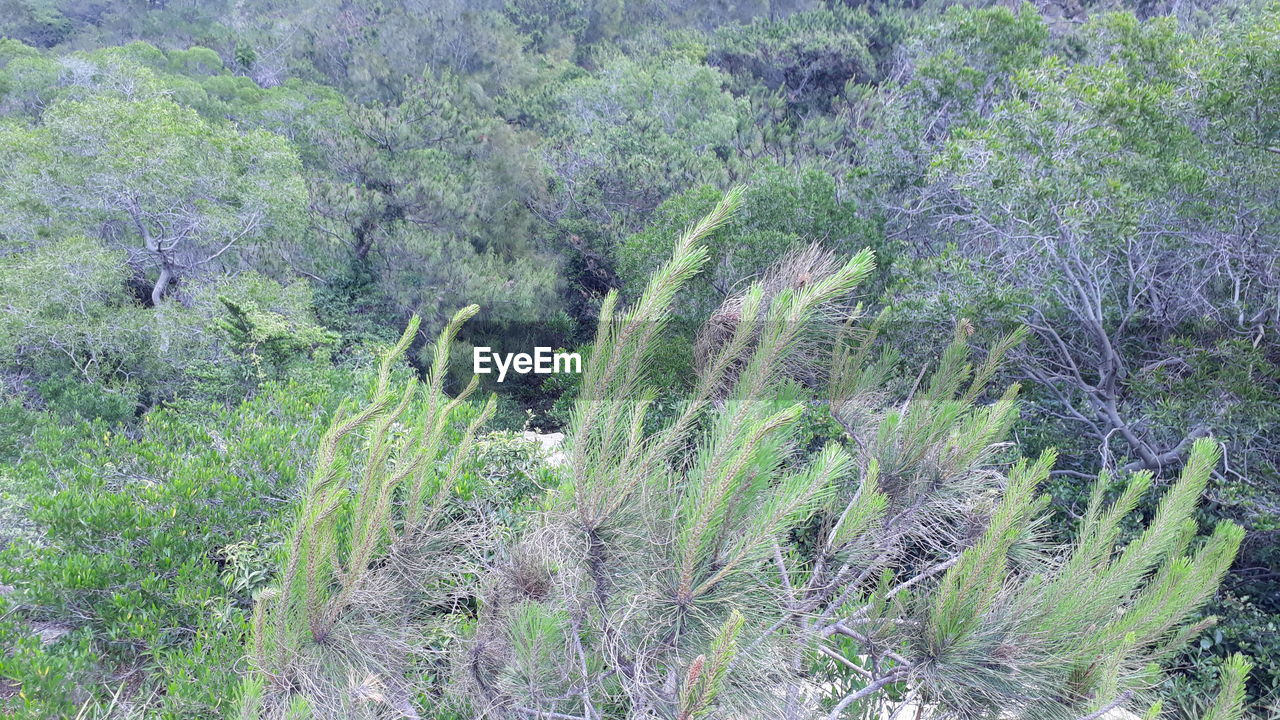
(217, 217)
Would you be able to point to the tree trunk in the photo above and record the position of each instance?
(162, 283)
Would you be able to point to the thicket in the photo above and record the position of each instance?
(215, 218)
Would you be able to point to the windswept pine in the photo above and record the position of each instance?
(704, 566)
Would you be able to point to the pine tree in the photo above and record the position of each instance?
(704, 567)
(372, 541)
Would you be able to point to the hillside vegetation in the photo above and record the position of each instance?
(930, 359)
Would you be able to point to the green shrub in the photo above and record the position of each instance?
(505, 477)
(150, 543)
(76, 399)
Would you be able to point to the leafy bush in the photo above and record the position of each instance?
(74, 399)
(505, 475)
(144, 544)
